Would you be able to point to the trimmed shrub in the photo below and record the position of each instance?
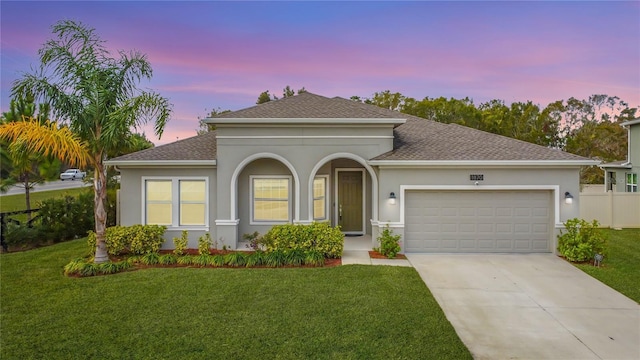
(581, 240)
(135, 239)
(319, 237)
(204, 244)
(181, 243)
(389, 243)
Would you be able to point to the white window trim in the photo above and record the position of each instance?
(630, 186)
(252, 221)
(175, 200)
(326, 199)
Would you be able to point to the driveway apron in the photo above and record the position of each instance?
(530, 306)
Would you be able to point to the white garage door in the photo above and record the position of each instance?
(478, 221)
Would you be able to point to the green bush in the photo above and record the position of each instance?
(204, 244)
(319, 237)
(389, 243)
(23, 236)
(66, 218)
(314, 258)
(181, 243)
(83, 267)
(72, 217)
(581, 240)
(235, 259)
(135, 239)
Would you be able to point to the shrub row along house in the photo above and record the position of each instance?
(306, 158)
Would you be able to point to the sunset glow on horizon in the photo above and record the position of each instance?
(209, 54)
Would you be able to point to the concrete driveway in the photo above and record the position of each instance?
(530, 307)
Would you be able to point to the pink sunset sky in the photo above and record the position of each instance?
(208, 54)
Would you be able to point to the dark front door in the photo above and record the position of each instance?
(350, 216)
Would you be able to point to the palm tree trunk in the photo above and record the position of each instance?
(100, 198)
(27, 196)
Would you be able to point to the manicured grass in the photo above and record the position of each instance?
(621, 268)
(345, 312)
(17, 202)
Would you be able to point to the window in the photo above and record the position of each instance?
(192, 202)
(158, 202)
(175, 202)
(320, 198)
(632, 182)
(270, 199)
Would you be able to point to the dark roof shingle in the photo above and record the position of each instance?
(201, 147)
(417, 139)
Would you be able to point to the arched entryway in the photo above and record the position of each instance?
(346, 189)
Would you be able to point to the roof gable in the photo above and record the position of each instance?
(310, 106)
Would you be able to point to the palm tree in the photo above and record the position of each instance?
(98, 97)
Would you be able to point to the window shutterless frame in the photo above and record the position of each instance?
(189, 196)
(270, 194)
(321, 199)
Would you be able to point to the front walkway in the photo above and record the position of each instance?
(534, 306)
(356, 251)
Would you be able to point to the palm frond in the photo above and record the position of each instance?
(48, 140)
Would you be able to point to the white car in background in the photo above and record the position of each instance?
(72, 174)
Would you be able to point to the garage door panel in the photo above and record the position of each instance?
(478, 221)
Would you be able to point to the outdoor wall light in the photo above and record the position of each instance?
(568, 198)
(392, 198)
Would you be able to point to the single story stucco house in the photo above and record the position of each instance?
(306, 158)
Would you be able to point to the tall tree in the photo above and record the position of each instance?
(448, 111)
(264, 97)
(98, 96)
(388, 100)
(603, 140)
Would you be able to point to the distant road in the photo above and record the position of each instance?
(53, 185)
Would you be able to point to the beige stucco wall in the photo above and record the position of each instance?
(131, 192)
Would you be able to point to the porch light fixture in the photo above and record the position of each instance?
(568, 198)
(392, 198)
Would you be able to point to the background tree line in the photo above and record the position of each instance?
(590, 128)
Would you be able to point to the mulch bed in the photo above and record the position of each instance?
(376, 255)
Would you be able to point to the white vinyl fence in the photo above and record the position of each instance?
(613, 209)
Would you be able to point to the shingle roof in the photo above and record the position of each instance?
(312, 106)
(417, 139)
(201, 147)
(426, 140)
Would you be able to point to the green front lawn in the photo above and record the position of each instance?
(345, 312)
(17, 202)
(621, 268)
